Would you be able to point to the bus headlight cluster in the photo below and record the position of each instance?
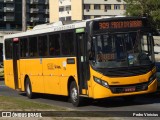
(152, 77)
(101, 82)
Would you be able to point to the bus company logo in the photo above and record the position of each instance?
(51, 66)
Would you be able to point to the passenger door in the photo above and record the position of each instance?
(82, 61)
(16, 62)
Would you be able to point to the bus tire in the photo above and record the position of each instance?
(28, 88)
(74, 95)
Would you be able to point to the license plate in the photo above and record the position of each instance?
(130, 89)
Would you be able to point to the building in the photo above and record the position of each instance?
(36, 12)
(10, 15)
(67, 10)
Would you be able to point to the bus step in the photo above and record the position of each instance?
(83, 95)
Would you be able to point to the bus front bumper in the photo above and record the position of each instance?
(103, 92)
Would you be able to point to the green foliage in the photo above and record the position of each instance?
(148, 8)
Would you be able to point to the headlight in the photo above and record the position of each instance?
(153, 77)
(101, 82)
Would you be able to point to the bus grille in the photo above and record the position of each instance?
(129, 88)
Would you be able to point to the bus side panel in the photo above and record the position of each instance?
(8, 72)
(51, 73)
(19, 75)
(67, 70)
(34, 70)
(22, 70)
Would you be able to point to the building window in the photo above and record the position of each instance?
(61, 9)
(68, 18)
(108, 7)
(97, 7)
(62, 19)
(68, 8)
(1, 6)
(87, 6)
(1, 16)
(54, 46)
(86, 17)
(117, 7)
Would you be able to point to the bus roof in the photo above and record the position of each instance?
(59, 26)
(47, 28)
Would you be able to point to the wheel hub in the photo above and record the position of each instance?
(74, 94)
(28, 89)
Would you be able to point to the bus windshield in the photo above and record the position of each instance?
(122, 50)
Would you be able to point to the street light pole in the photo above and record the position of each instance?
(24, 15)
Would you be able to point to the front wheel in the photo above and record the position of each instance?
(28, 88)
(74, 95)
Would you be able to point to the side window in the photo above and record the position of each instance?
(143, 43)
(67, 43)
(33, 47)
(42, 45)
(54, 47)
(24, 47)
(8, 49)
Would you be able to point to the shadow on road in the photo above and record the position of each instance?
(49, 97)
(105, 103)
(119, 102)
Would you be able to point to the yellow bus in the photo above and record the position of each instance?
(95, 58)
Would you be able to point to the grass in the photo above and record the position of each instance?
(11, 103)
(19, 104)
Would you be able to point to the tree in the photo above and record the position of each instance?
(148, 8)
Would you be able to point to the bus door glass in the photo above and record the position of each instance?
(15, 61)
(81, 58)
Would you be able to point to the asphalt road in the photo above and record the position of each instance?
(141, 103)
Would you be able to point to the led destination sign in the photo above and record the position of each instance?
(102, 25)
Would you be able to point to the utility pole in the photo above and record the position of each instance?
(24, 15)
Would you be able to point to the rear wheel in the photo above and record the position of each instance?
(28, 88)
(74, 95)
